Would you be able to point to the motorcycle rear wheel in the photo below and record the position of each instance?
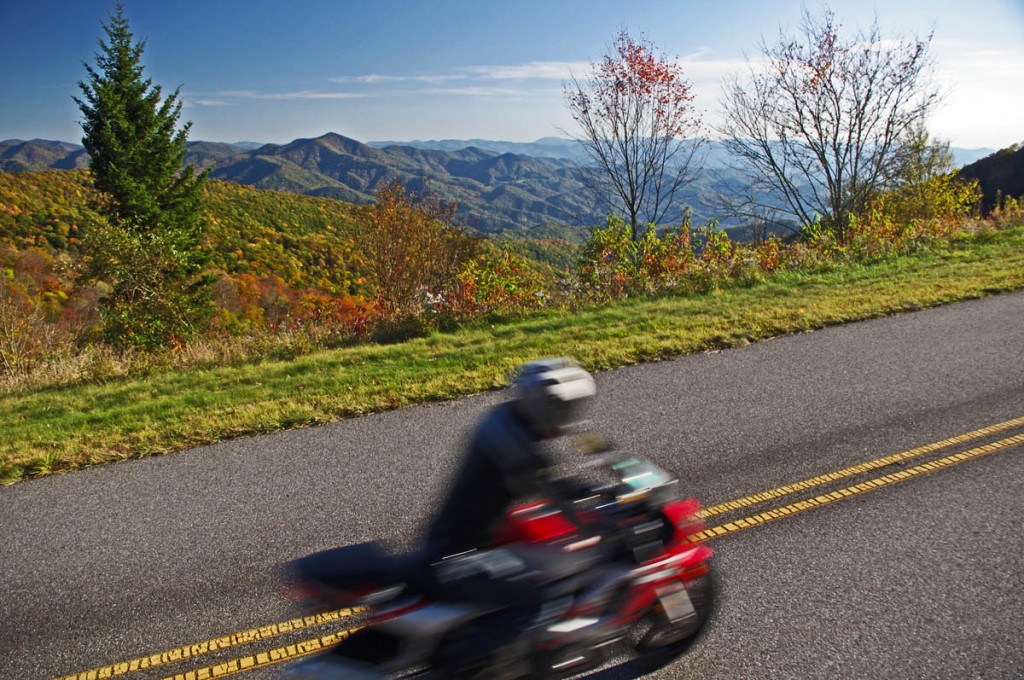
(655, 640)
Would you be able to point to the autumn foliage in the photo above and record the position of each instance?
(308, 272)
(411, 250)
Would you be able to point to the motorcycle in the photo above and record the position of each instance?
(628, 573)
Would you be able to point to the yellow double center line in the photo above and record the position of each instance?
(863, 487)
(214, 645)
(300, 649)
(860, 468)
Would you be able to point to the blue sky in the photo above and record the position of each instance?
(277, 70)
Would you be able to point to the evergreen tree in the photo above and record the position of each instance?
(149, 253)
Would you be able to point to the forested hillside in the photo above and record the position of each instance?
(20, 156)
(494, 191)
(278, 262)
(306, 241)
(999, 175)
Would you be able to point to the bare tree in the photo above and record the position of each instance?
(818, 126)
(639, 128)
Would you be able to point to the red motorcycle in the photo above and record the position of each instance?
(632, 580)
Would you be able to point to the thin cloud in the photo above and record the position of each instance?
(376, 78)
(310, 94)
(964, 58)
(471, 91)
(224, 98)
(534, 70)
(700, 66)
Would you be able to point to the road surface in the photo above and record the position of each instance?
(161, 567)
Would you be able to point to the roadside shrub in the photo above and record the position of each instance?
(670, 261)
(681, 260)
(495, 282)
(331, 319)
(35, 321)
(607, 266)
(409, 246)
(1009, 212)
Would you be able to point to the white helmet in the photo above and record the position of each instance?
(549, 394)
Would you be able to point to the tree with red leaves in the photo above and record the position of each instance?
(640, 129)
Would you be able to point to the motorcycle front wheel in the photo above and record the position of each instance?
(656, 640)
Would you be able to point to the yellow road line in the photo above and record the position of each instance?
(863, 487)
(860, 468)
(199, 648)
(274, 656)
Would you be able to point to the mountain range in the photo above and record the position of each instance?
(546, 147)
(495, 191)
(498, 186)
(559, 147)
(17, 155)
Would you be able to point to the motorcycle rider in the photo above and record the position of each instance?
(503, 464)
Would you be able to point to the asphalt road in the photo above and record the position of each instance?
(920, 579)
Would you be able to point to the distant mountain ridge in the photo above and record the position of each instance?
(498, 185)
(546, 147)
(17, 155)
(495, 191)
(559, 147)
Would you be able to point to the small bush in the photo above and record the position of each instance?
(1009, 212)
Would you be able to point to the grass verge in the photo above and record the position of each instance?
(58, 429)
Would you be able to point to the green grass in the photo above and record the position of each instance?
(57, 429)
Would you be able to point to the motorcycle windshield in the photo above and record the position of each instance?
(640, 475)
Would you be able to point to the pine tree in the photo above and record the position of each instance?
(149, 253)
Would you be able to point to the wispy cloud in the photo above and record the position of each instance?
(534, 70)
(700, 64)
(228, 97)
(980, 60)
(377, 78)
(311, 94)
(510, 81)
(472, 91)
(704, 65)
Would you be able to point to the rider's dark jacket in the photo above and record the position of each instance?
(502, 463)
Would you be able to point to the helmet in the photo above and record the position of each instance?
(549, 394)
